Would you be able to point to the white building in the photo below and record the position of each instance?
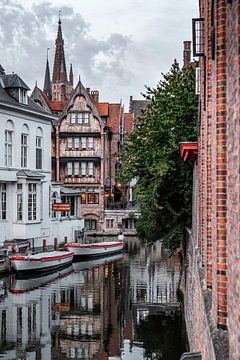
(25, 164)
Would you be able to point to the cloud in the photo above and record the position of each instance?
(25, 34)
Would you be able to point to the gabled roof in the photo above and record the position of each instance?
(114, 117)
(40, 99)
(80, 90)
(136, 106)
(103, 108)
(13, 81)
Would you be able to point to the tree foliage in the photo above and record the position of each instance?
(151, 155)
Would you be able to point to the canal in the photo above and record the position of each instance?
(121, 307)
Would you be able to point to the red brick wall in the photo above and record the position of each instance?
(218, 210)
(233, 175)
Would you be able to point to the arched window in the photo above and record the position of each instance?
(9, 143)
(39, 149)
(24, 146)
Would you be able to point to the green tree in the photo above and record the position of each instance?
(164, 186)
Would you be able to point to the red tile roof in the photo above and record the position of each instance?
(114, 117)
(128, 123)
(57, 105)
(103, 108)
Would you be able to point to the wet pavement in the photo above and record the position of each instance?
(119, 307)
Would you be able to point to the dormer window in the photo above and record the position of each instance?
(23, 99)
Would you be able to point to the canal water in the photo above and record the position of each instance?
(120, 307)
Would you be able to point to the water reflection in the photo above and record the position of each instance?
(101, 309)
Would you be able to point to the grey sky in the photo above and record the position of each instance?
(115, 46)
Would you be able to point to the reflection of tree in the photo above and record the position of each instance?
(161, 337)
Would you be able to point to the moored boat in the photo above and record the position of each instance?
(41, 261)
(95, 249)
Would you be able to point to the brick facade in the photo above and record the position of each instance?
(213, 275)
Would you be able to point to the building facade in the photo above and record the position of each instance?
(212, 277)
(87, 138)
(25, 164)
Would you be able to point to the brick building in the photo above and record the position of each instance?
(213, 251)
(86, 142)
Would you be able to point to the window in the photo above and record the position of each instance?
(90, 168)
(90, 224)
(32, 202)
(24, 150)
(109, 223)
(19, 202)
(83, 168)
(8, 148)
(90, 143)
(39, 152)
(69, 142)
(3, 201)
(89, 197)
(54, 200)
(76, 143)
(198, 38)
(84, 142)
(69, 169)
(76, 168)
(23, 96)
(82, 118)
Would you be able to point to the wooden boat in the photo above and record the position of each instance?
(95, 249)
(41, 261)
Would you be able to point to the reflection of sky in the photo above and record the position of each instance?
(129, 353)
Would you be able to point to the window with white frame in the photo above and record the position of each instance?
(32, 202)
(76, 168)
(3, 201)
(69, 142)
(39, 152)
(76, 143)
(83, 142)
(24, 150)
(90, 168)
(90, 143)
(82, 118)
(8, 147)
(69, 168)
(19, 202)
(83, 168)
(23, 96)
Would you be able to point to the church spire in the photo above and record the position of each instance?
(59, 67)
(47, 82)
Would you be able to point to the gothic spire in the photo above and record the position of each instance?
(59, 67)
(71, 75)
(47, 89)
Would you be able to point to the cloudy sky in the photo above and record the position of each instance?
(115, 46)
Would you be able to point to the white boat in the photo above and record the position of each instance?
(4, 261)
(41, 261)
(95, 249)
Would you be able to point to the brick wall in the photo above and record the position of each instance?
(213, 275)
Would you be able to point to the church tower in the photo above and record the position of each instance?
(61, 87)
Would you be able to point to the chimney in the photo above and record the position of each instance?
(88, 90)
(130, 103)
(95, 95)
(186, 53)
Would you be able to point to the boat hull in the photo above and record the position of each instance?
(96, 249)
(42, 261)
